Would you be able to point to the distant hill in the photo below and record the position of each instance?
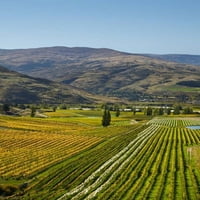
(106, 72)
(18, 88)
(179, 58)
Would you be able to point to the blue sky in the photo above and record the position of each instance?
(137, 26)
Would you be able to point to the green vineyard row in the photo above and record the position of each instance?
(155, 165)
(133, 162)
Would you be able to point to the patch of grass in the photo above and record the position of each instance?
(178, 88)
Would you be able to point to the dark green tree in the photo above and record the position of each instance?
(134, 111)
(168, 111)
(149, 111)
(117, 112)
(54, 108)
(63, 106)
(6, 108)
(187, 110)
(160, 111)
(22, 106)
(155, 111)
(106, 119)
(33, 111)
(177, 110)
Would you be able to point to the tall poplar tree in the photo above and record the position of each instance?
(106, 119)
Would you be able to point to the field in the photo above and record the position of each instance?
(69, 155)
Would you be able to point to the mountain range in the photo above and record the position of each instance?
(179, 58)
(19, 88)
(107, 72)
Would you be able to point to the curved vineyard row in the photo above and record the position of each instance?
(176, 122)
(29, 145)
(70, 173)
(23, 154)
(155, 165)
(68, 161)
(116, 163)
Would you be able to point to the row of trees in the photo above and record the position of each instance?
(157, 111)
(106, 119)
(161, 111)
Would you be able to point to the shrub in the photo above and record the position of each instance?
(7, 190)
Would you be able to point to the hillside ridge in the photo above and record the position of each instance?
(20, 88)
(106, 72)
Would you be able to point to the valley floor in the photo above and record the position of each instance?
(69, 155)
